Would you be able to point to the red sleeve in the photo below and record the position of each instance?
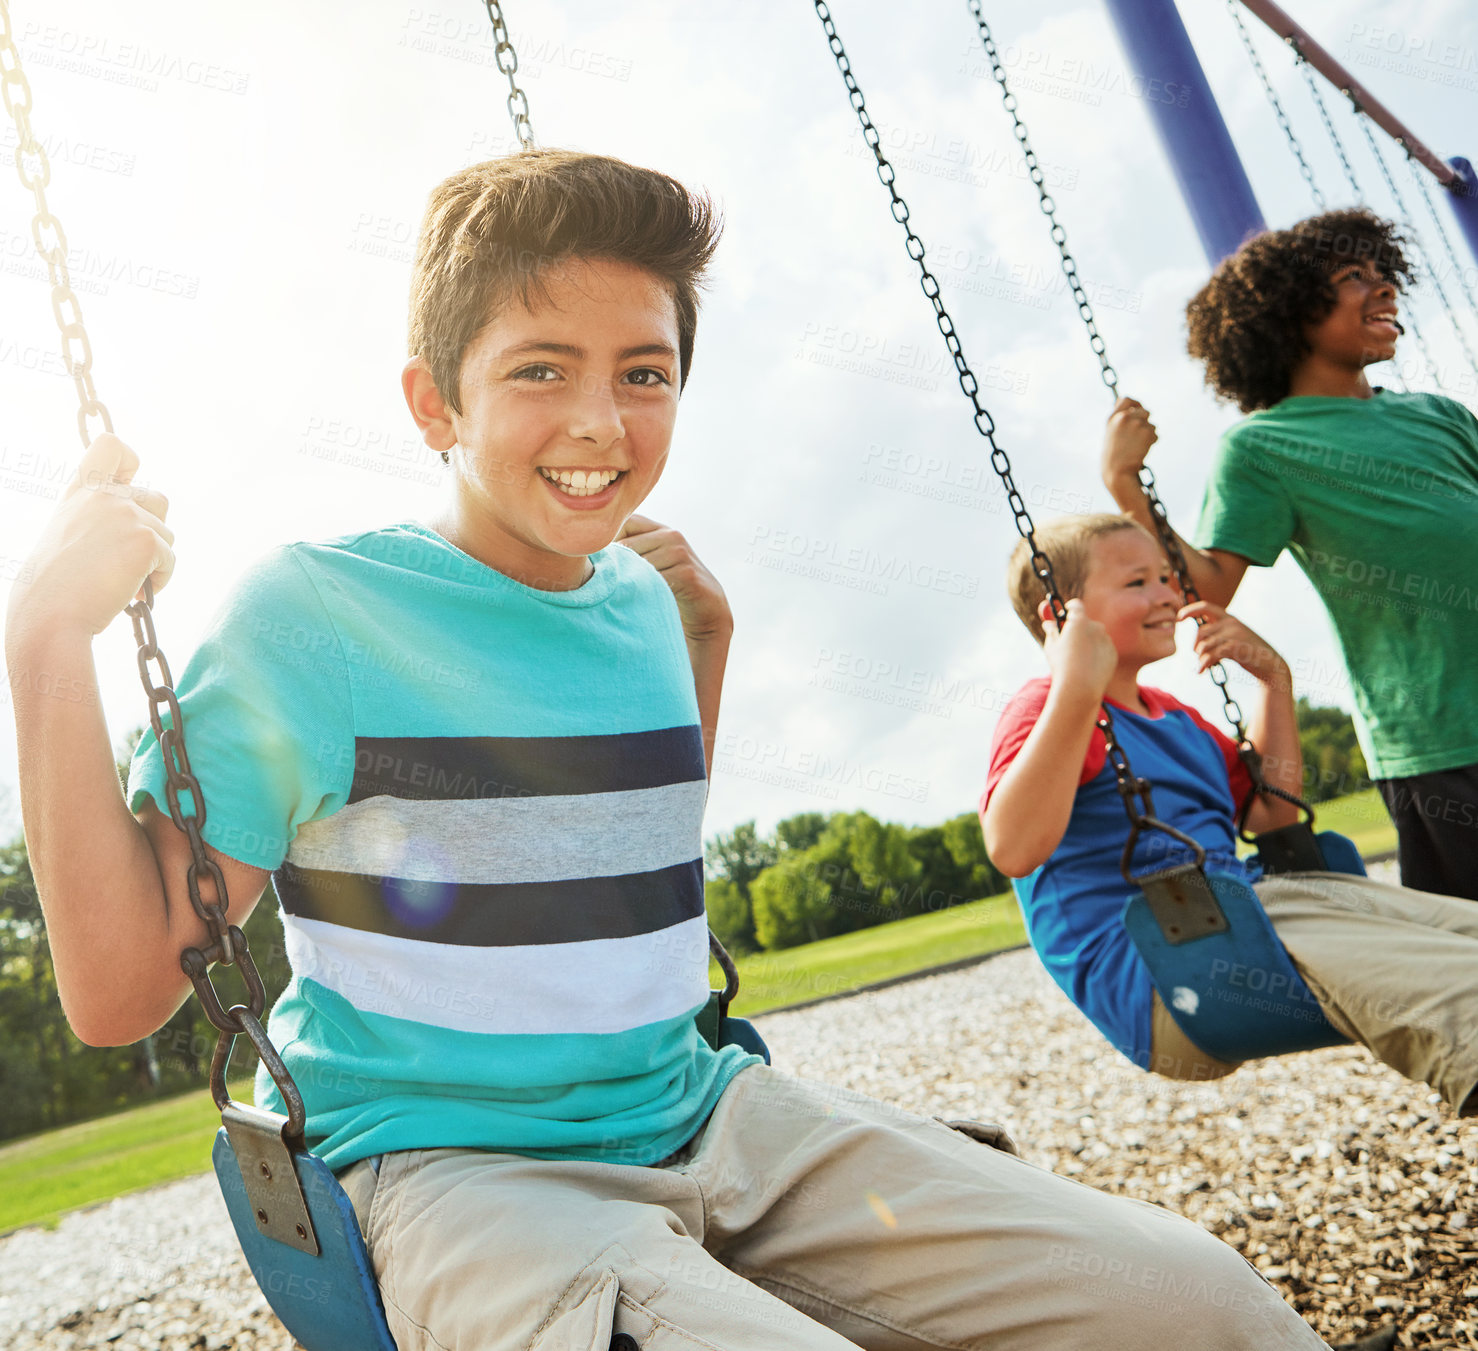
(1014, 726)
(1238, 779)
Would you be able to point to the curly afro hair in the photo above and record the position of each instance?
(1247, 323)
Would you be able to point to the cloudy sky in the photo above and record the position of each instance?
(240, 188)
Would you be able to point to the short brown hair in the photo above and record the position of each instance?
(494, 230)
(1067, 542)
(1246, 325)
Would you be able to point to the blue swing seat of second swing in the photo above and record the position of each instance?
(1236, 994)
(331, 1302)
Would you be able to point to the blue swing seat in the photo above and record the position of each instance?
(1220, 969)
(329, 1301)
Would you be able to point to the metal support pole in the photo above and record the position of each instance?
(1462, 197)
(1207, 168)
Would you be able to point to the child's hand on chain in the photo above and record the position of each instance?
(701, 602)
(1081, 655)
(1223, 637)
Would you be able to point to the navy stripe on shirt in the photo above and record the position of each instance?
(501, 914)
(445, 768)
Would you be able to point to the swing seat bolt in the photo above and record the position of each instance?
(261, 1216)
(302, 1233)
(266, 1172)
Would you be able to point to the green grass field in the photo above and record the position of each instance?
(770, 980)
(1361, 816)
(44, 1176)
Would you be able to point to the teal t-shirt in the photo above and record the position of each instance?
(1377, 500)
(482, 808)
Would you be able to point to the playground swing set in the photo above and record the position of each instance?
(294, 1221)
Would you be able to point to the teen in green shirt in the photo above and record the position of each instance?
(1374, 493)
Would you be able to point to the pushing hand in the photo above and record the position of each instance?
(1223, 637)
(1127, 440)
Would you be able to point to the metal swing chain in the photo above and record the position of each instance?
(34, 169)
(1307, 71)
(1385, 169)
(507, 59)
(1457, 267)
(1135, 792)
(1267, 85)
(1045, 202)
(1158, 514)
(228, 944)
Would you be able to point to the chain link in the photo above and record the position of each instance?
(1045, 202)
(1158, 514)
(1307, 71)
(204, 881)
(1135, 792)
(1267, 86)
(1415, 169)
(507, 58)
(34, 169)
(1400, 201)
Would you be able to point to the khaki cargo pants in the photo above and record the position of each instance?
(1392, 968)
(801, 1218)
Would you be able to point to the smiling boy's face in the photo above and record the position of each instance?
(1129, 590)
(568, 412)
(1362, 328)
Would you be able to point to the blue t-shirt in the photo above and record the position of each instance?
(482, 807)
(1073, 904)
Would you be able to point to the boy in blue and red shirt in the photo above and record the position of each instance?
(1392, 968)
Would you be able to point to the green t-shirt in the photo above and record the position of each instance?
(1377, 499)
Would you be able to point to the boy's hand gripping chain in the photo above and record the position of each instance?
(1134, 792)
(227, 943)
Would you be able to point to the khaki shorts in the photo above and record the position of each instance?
(801, 1218)
(1392, 968)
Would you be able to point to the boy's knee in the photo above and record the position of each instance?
(1188, 1278)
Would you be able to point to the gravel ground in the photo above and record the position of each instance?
(1353, 1190)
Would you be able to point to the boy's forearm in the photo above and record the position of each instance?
(96, 875)
(708, 658)
(1272, 725)
(1028, 812)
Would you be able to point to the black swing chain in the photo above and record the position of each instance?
(1045, 202)
(1304, 167)
(227, 944)
(1158, 515)
(1134, 792)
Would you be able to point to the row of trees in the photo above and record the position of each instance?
(817, 875)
